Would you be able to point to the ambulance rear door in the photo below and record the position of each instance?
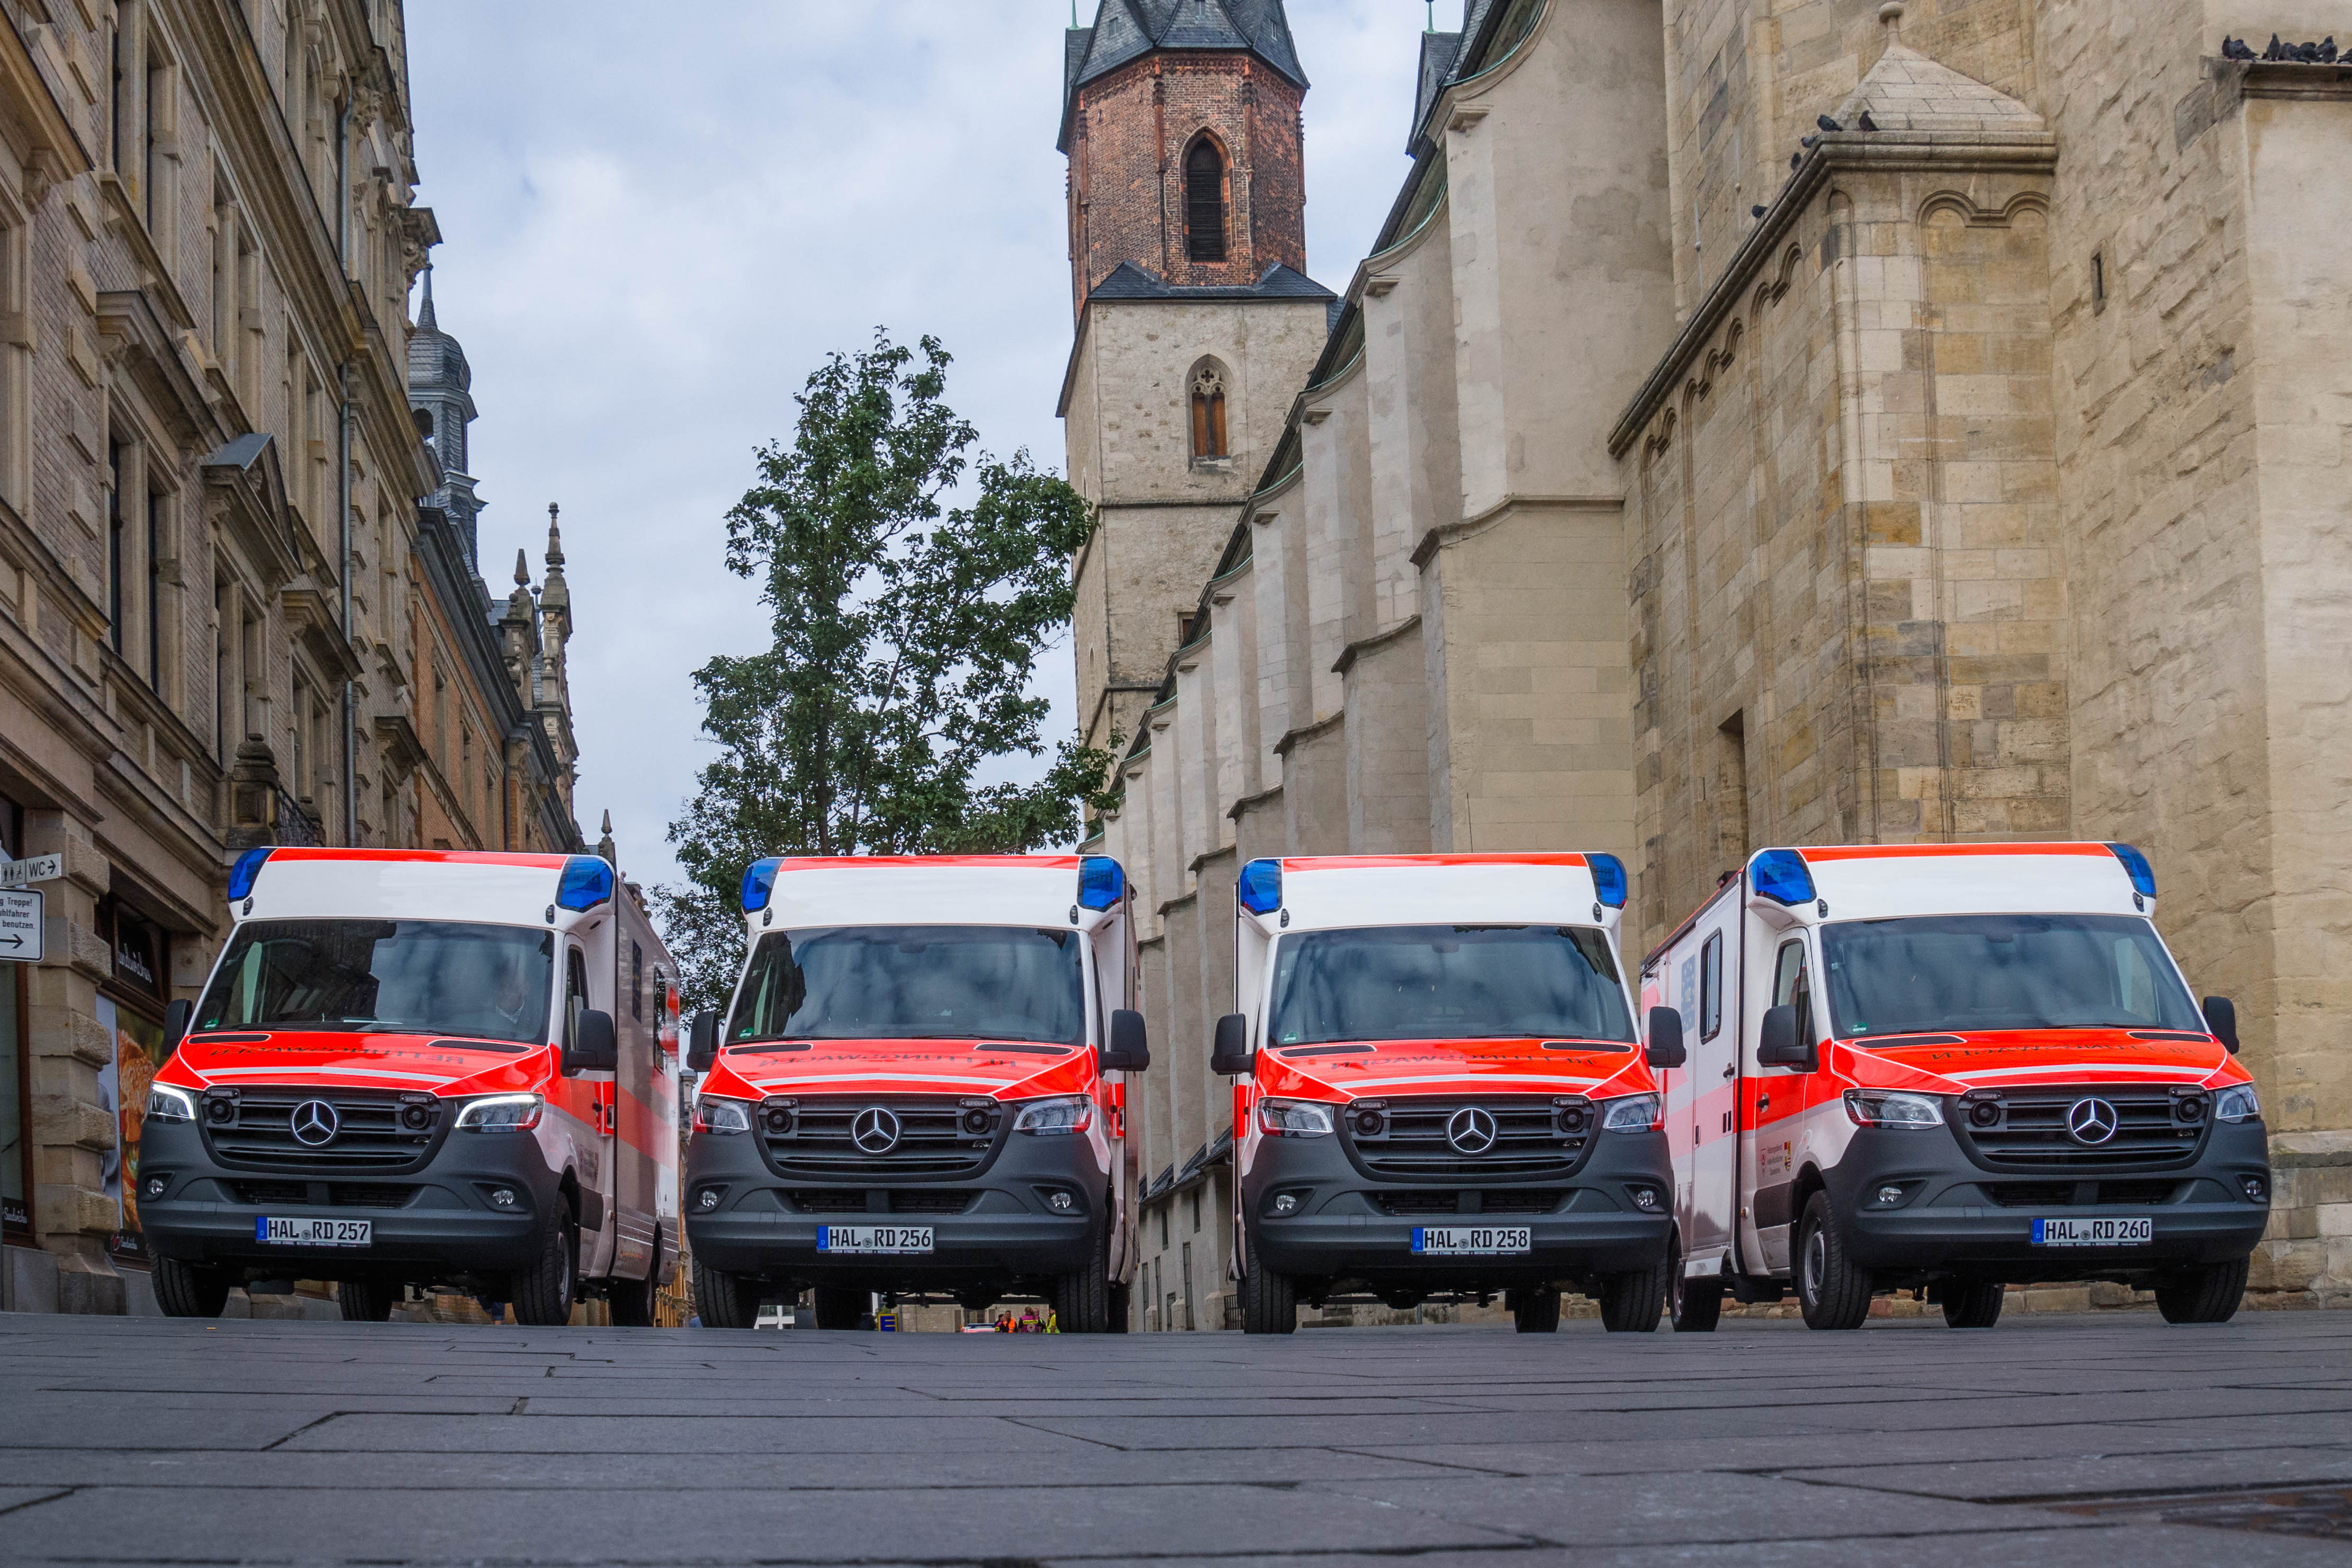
(1705, 986)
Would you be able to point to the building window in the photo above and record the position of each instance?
(1209, 413)
(154, 607)
(1204, 202)
(16, 1142)
(114, 544)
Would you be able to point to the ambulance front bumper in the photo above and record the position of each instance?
(1340, 1224)
(1913, 1200)
(437, 1223)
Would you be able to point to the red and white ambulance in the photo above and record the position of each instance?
(422, 1068)
(921, 1090)
(1442, 1091)
(1952, 1067)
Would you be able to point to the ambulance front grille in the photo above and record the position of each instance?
(255, 1128)
(1409, 1138)
(2033, 1129)
(937, 1136)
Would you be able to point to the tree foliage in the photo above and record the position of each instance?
(904, 634)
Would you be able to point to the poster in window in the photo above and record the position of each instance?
(123, 1086)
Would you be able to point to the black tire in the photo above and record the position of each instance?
(839, 1307)
(190, 1290)
(1082, 1301)
(1633, 1303)
(1692, 1306)
(1269, 1301)
(1536, 1311)
(1831, 1291)
(724, 1300)
(1122, 1307)
(2207, 1295)
(1973, 1303)
(365, 1302)
(542, 1294)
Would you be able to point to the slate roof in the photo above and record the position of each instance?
(1438, 53)
(1128, 30)
(1128, 281)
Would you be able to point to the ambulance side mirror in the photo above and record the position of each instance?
(1777, 1045)
(176, 1017)
(2220, 1016)
(702, 1042)
(1229, 1053)
(1666, 1038)
(1130, 1050)
(595, 1047)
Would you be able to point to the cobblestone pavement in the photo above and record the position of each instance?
(2112, 1439)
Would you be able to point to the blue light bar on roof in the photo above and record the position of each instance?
(241, 876)
(2143, 875)
(1782, 876)
(587, 882)
(1261, 887)
(1608, 878)
(758, 881)
(1102, 883)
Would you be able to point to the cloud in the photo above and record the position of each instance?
(656, 222)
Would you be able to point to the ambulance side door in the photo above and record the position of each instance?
(1711, 1035)
(631, 1096)
(1772, 1103)
(594, 1140)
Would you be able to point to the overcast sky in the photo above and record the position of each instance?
(655, 221)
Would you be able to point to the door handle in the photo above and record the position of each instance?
(1730, 1068)
(1763, 1102)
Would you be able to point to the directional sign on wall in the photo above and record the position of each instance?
(20, 926)
(34, 868)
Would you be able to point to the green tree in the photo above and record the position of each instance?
(903, 635)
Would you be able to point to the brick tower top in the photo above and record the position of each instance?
(1181, 121)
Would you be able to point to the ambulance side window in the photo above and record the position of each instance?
(1710, 987)
(1792, 987)
(575, 995)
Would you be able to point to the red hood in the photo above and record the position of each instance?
(902, 1067)
(1451, 1067)
(2011, 1058)
(445, 1067)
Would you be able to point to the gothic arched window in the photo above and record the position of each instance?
(1209, 412)
(1204, 202)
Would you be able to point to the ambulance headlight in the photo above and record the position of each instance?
(165, 1103)
(712, 1114)
(1293, 1119)
(2237, 1103)
(1056, 1115)
(1891, 1108)
(502, 1114)
(1631, 1113)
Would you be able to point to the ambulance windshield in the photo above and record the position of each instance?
(913, 983)
(391, 977)
(1931, 974)
(1448, 982)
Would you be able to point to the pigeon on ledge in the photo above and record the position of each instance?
(1866, 122)
(1826, 123)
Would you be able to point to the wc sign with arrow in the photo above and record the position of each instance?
(21, 906)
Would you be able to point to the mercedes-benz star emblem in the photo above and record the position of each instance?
(315, 1123)
(1471, 1131)
(2091, 1120)
(876, 1131)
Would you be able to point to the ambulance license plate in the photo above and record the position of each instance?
(319, 1232)
(2094, 1232)
(1463, 1240)
(874, 1239)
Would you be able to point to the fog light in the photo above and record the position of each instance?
(709, 1200)
(2190, 1108)
(1890, 1195)
(1645, 1200)
(504, 1197)
(415, 1118)
(1285, 1203)
(1368, 1124)
(220, 1111)
(2256, 1188)
(778, 1120)
(1059, 1200)
(155, 1185)
(1984, 1113)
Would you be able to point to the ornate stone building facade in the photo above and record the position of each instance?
(1681, 476)
(213, 580)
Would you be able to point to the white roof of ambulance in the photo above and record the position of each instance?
(1024, 891)
(418, 885)
(1334, 892)
(1882, 882)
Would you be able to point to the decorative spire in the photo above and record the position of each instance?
(554, 536)
(557, 598)
(425, 318)
(605, 848)
(523, 569)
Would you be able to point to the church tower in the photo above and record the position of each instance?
(1197, 323)
(441, 387)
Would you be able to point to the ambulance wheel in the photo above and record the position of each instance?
(542, 1294)
(724, 1300)
(1694, 1306)
(1831, 1291)
(839, 1307)
(186, 1290)
(1972, 1303)
(1269, 1301)
(364, 1303)
(1536, 1311)
(1122, 1307)
(1632, 1303)
(1082, 1301)
(2208, 1295)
